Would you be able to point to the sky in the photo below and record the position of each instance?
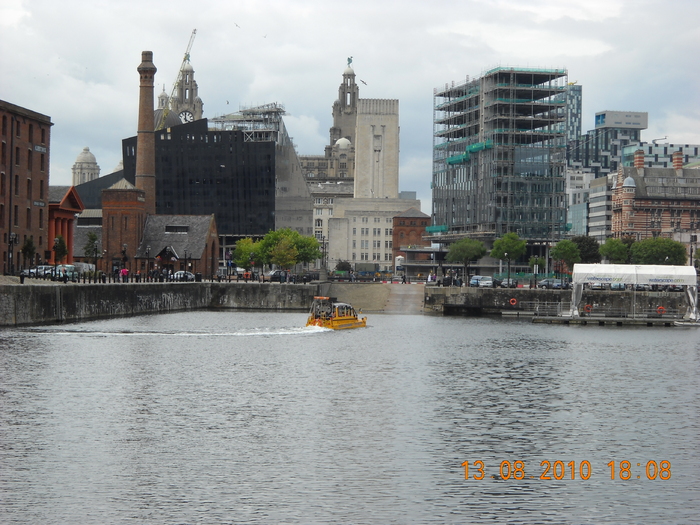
(76, 61)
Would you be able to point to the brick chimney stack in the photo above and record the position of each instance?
(677, 160)
(146, 139)
(639, 159)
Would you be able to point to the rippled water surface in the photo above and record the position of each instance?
(229, 417)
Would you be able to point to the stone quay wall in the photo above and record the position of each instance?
(470, 300)
(27, 304)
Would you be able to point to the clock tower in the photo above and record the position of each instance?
(186, 103)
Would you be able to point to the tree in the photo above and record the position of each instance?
(28, 250)
(60, 249)
(465, 251)
(615, 250)
(567, 252)
(343, 266)
(306, 249)
(508, 248)
(588, 247)
(92, 248)
(245, 255)
(539, 262)
(659, 250)
(284, 254)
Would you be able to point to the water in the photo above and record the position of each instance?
(230, 417)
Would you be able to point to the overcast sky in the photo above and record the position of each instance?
(76, 62)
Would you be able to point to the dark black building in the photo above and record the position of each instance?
(200, 171)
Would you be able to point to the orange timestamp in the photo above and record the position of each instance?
(559, 470)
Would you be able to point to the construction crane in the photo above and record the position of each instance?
(185, 60)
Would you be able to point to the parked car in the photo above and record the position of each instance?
(551, 284)
(310, 276)
(67, 272)
(183, 276)
(598, 286)
(674, 288)
(509, 283)
(617, 286)
(642, 287)
(281, 276)
(488, 282)
(474, 281)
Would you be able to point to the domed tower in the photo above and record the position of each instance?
(187, 103)
(345, 108)
(85, 168)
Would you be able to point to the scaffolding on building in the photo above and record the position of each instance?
(260, 123)
(499, 154)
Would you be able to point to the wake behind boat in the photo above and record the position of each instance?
(327, 313)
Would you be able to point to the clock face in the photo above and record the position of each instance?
(186, 116)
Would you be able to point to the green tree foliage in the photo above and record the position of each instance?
(306, 249)
(540, 262)
(343, 266)
(60, 249)
(28, 250)
(92, 247)
(510, 247)
(465, 251)
(245, 255)
(659, 250)
(616, 251)
(567, 252)
(588, 248)
(284, 254)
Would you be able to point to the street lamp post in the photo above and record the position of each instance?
(508, 261)
(184, 274)
(148, 263)
(55, 258)
(124, 259)
(10, 259)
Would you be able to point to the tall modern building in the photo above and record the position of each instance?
(574, 105)
(600, 150)
(499, 155)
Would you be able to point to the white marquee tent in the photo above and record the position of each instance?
(635, 274)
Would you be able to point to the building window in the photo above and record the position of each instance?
(43, 165)
(16, 184)
(41, 219)
(16, 155)
(388, 244)
(377, 219)
(17, 128)
(4, 125)
(365, 219)
(319, 211)
(126, 223)
(29, 218)
(2, 184)
(319, 223)
(29, 188)
(43, 136)
(3, 155)
(2, 215)
(354, 231)
(41, 189)
(31, 132)
(354, 244)
(16, 216)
